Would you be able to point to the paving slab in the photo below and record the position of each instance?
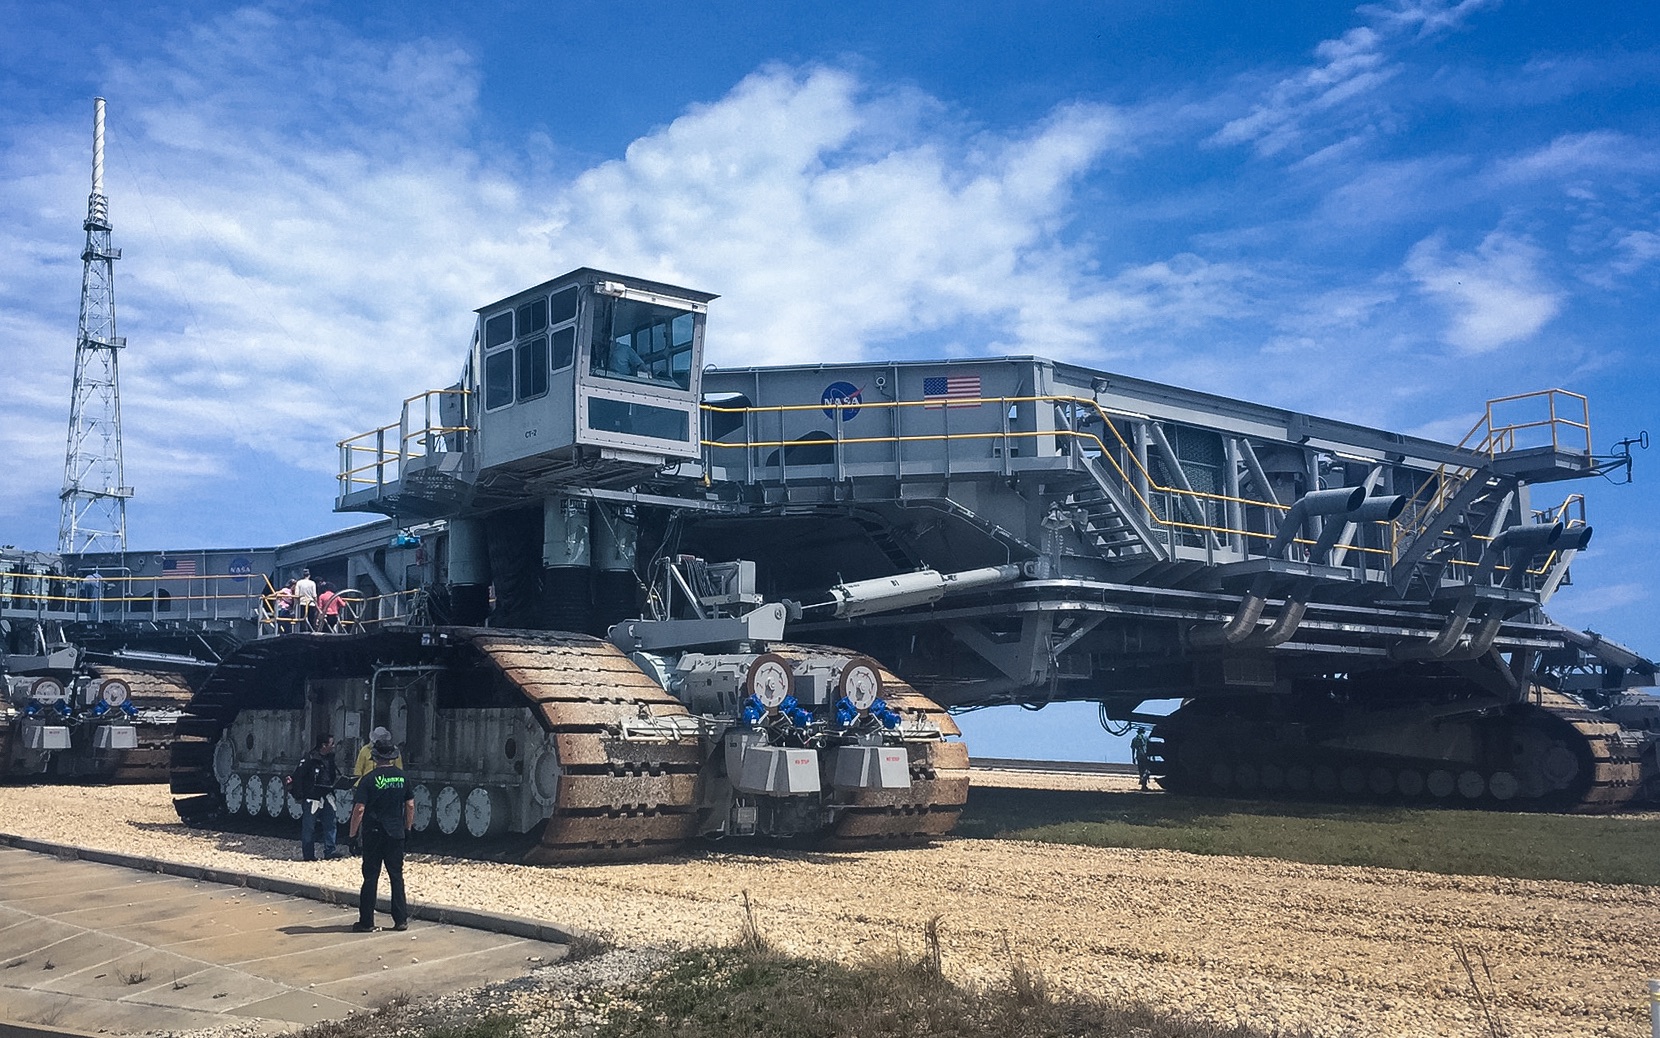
(136, 951)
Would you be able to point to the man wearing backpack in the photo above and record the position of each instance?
(313, 786)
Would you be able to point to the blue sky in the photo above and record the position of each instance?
(1386, 213)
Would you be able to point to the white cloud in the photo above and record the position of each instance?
(1637, 250)
(1578, 154)
(776, 197)
(1572, 605)
(308, 227)
(1495, 296)
(1427, 16)
(1337, 96)
(1350, 66)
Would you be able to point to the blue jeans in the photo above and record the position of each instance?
(310, 820)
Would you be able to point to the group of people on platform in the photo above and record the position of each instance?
(304, 605)
(383, 812)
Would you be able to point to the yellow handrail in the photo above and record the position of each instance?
(1109, 455)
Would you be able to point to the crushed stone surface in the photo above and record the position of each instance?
(1341, 951)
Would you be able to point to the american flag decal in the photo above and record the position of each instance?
(951, 391)
(179, 567)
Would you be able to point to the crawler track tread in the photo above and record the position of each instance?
(927, 810)
(1610, 777)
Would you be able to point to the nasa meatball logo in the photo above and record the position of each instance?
(842, 396)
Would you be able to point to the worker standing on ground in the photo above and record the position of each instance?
(1143, 759)
(313, 787)
(383, 810)
(365, 756)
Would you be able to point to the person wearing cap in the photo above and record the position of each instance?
(383, 811)
(365, 756)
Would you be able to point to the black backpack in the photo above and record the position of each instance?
(299, 782)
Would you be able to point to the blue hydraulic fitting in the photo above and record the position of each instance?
(888, 718)
(129, 709)
(791, 708)
(752, 710)
(100, 708)
(32, 710)
(846, 712)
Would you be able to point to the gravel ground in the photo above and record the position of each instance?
(1345, 951)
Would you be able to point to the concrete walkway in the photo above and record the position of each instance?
(95, 946)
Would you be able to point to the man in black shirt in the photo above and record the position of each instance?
(383, 810)
(313, 787)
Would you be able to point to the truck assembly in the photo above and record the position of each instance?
(616, 538)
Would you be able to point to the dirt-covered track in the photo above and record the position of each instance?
(939, 774)
(609, 798)
(1549, 754)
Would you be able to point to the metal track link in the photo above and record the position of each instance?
(939, 774)
(1616, 773)
(617, 800)
(1598, 772)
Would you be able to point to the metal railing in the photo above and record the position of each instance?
(1559, 432)
(380, 456)
(1130, 471)
(1156, 501)
(118, 596)
(357, 612)
(1565, 426)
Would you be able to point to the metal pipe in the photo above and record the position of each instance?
(1283, 627)
(1440, 645)
(1380, 509)
(1265, 489)
(1320, 502)
(1479, 642)
(903, 590)
(1528, 540)
(1234, 631)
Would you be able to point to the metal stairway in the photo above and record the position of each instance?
(1472, 510)
(1110, 522)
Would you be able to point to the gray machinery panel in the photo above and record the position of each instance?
(45, 736)
(778, 771)
(117, 737)
(871, 767)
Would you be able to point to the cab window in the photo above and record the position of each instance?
(642, 342)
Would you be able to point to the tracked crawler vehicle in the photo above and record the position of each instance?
(78, 700)
(591, 752)
(1344, 611)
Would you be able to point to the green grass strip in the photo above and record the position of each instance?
(1580, 848)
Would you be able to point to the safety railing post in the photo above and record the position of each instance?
(841, 462)
(1003, 408)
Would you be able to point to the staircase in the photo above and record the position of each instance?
(1450, 527)
(1110, 521)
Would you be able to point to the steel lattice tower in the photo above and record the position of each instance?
(94, 497)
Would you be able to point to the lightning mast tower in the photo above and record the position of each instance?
(94, 497)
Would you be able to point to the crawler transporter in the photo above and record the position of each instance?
(75, 704)
(618, 537)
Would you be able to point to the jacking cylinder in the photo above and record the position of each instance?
(567, 577)
(613, 536)
(469, 573)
